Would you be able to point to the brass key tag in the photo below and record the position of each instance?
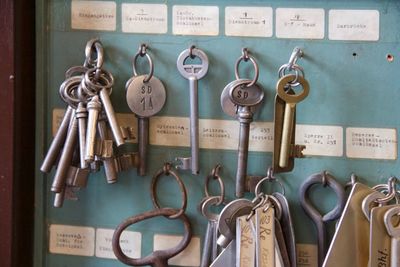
(265, 237)
(245, 243)
(380, 241)
(352, 233)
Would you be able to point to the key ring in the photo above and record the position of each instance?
(292, 98)
(245, 57)
(297, 70)
(214, 175)
(94, 46)
(158, 258)
(143, 52)
(269, 178)
(68, 91)
(167, 170)
(105, 80)
(391, 186)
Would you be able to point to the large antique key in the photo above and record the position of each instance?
(145, 95)
(285, 93)
(244, 97)
(193, 73)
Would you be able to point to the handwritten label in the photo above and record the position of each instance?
(320, 140)
(371, 143)
(245, 244)
(248, 21)
(300, 23)
(307, 255)
(93, 15)
(195, 20)
(144, 18)
(190, 256)
(130, 243)
(354, 25)
(71, 240)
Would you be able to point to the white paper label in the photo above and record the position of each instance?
(248, 21)
(320, 140)
(302, 23)
(93, 15)
(354, 25)
(371, 143)
(307, 255)
(195, 20)
(261, 136)
(144, 18)
(71, 240)
(130, 242)
(169, 131)
(190, 256)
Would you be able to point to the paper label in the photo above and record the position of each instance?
(144, 18)
(93, 15)
(371, 143)
(261, 136)
(248, 21)
(71, 240)
(169, 131)
(302, 23)
(130, 242)
(307, 255)
(190, 256)
(320, 140)
(195, 20)
(354, 25)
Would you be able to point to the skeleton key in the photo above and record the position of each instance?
(193, 73)
(94, 108)
(81, 116)
(210, 247)
(288, 121)
(245, 242)
(145, 95)
(245, 97)
(394, 232)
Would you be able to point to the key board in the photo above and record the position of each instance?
(348, 122)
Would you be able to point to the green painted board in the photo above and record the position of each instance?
(352, 85)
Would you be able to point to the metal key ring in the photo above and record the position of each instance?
(214, 175)
(392, 191)
(255, 65)
(280, 90)
(208, 202)
(297, 70)
(383, 188)
(91, 91)
(107, 80)
(75, 71)
(270, 178)
(94, 45)
(68, 89)
(143, 52)
(158, 258)
(167, 170)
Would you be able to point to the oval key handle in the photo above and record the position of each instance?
(158, 258)
(289, 98)
(393, 231)
(242, 95)
(196, 71)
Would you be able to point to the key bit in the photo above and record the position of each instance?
(296, 151)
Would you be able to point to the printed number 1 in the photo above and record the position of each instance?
(146, 90)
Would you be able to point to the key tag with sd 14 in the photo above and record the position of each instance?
(146, 96)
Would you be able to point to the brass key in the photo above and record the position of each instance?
(290, 106)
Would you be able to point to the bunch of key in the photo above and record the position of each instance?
(240, 99)
(285, 149)
(82, 142)
(256, 232)
(368, 231)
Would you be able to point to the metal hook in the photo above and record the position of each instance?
(391, 191)
(167, 168)
(191, 51)
(296, 54)
(142, 49)
(324, 178)
(245, 54)
(215, 171)
(351, 183)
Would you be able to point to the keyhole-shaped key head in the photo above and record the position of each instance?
(196, 71)
(292, 98)
(245, 96)
(145, 99)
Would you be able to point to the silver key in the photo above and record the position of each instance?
(81, 116)
(193, 73)
(145, 99)
(245, 97)
(94, 108)
(394, 232)
(227, 256)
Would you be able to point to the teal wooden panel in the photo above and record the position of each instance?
(346, 90)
